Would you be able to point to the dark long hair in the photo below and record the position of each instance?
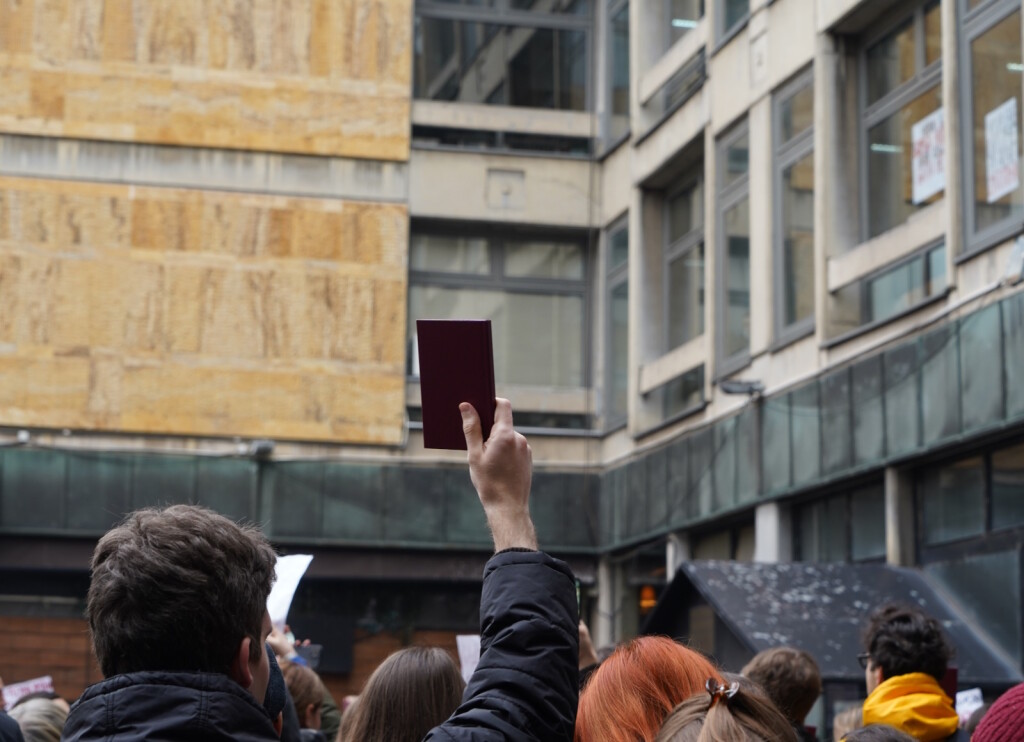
(410, 693)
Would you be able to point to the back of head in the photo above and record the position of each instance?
(790, 677)
(306, 690)
(846, 721)
(413, 691)
(1004, 722)
(177, 590)
(40, 719)
(902, 640)
(878, 733)
(630, 694)
(744, 714)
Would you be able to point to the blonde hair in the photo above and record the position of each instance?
(40, 719)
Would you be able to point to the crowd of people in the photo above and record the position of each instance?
(177, 614)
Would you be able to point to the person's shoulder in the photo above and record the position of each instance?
(9, 729)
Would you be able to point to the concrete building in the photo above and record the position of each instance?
(752, 268)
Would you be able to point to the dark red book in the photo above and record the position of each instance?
(456, 365)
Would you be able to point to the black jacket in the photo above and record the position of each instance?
(526, 686)
(9, 729)
(168, 706)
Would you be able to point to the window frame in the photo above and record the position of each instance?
(724, 35)
(679, 249)
(974, 23)
(924, 79)
(865, 283)
(612, 8)
(614, 278)
(503, 16)
(846, 495)
(727, 197)
(787, 154)
(495, 279)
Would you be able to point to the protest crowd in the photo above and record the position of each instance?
(178, 619)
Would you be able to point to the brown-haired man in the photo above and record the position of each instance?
(791, 679)
(177, 610)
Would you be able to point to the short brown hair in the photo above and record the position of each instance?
(305, 687)
(790, 677)
(177, 590)
(413, 691)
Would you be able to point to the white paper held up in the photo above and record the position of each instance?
(289, 570)
(967, 702)
(469, 653)
(13, 692)
(1002, 161)
(928, 165)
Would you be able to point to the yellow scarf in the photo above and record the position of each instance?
(915, 704)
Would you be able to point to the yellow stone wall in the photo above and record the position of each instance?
(329, 77)
(156, 310)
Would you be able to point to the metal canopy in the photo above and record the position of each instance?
(822, 609)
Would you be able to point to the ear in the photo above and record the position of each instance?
(879, 675)
(309, 711)
(240, 671)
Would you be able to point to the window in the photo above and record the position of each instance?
(842, 528)
(617, 117)
(503, 52)
(683, 17)
(903, 121)
(617, 297)
(684, 263)
(993, 67)
(533, 289)
(732, 14)
(895, 290)
(681, 396)
(736, 544)
(794, 210)
(734, 250)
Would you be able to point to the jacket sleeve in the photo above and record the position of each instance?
(526, 686)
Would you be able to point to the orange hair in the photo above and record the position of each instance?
(630, 694)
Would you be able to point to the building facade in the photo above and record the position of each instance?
(751, 266)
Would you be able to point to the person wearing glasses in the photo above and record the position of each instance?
(905, 659)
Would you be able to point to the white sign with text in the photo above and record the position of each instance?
(1002, 162)
(928, 165)
(15, 691)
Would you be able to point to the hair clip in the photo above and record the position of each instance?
(716, 690)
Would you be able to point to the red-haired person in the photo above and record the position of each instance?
(631, 693)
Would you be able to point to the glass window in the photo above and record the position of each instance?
(444, 254)
(681, 395)
(538, 333)
(953, 499)
(891, 61)
(683, 16)
(867, 523)
(798, 240)
(900, 288)
(618, 248)
(737, 160)
(547, 68)
(822, 531)
(932, 33)
(995, 116)
(891, 198)
(618, 340)
(734, 12)
(797, 113)
(686, 211)
(618, 75)
(737, 283)
(1008, 487)
(686, 297)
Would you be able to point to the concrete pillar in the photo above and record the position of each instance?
(773, 533)
(677, 551)
(899, 518)
(617, 611)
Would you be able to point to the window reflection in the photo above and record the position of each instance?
(686, 297)
(1008, 487)
(737, 271)
(798, 240)
(618, 104)
(683, 17)
(953, 499)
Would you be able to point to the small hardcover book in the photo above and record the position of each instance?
(456, 365)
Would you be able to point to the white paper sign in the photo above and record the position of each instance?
(16, 691)
(928, 164)
(289, 570)
(1002, 163)
(967, 702)
(469, 653)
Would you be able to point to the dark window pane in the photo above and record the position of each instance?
(1008, 487)
(901, 399)
(571, 7)
(683, 17)
(737, 160)
(1013, 361)
(890, 181)
(547, 68)
(995, 100)
(806, 411)
(891, 62)
(414, 501)
(953, 498)
(932, 32)
(980, 367)
(776, 441)
(618, 339)
(725, 464)
(734, 11)
(685, 211)
(544, 259)
(798, 240)
(99, 490)
(822, 531)
(353, 501)
(448, 254)
(737, 272)
(678, 484)
(657, 495)
(618, 248)
(836, 421)
(686, 297)
(681, 394)
(797, 113)
(618, 104)
(227, 486)
(32, 489)
(701, 479)
(940, 384)
(867, 523)
(748, 455)
(636, 498)
(868, 425)
(714, 546)
(163, 480)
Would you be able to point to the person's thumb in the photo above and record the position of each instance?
(471, 429)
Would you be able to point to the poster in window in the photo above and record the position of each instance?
(928, 165)
(1002, 166)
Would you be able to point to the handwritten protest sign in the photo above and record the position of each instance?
(928, 165)
(289, 570)
(16, 691)
(1002, 163)
(967, 702)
